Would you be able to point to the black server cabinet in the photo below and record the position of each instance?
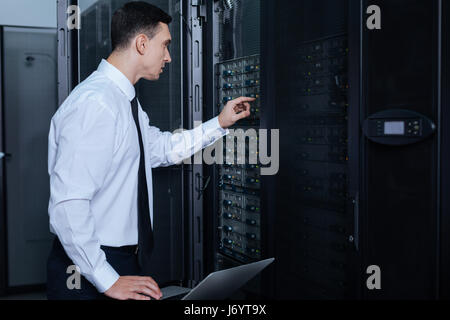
(363, 173)
(234, 218)
(314, 222)
(400, 189)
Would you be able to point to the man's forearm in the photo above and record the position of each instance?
(75, 227)
(169, 149)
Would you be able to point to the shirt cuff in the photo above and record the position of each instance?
(213, 131)
(105, 277)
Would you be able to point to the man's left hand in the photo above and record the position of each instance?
(235, 110)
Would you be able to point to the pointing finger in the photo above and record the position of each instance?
(243, 99)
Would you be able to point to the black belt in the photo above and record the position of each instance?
(126, 249)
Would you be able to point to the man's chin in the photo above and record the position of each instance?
(153, 77)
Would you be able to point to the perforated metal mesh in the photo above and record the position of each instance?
(240, 28)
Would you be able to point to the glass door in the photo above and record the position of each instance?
(30, 100)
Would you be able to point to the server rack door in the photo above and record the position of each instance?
(314, 217)
(401, 183)
(81, 51)
(30, 65)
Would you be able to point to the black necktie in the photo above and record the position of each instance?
(145, 232)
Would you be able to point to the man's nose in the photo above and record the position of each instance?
(168, 59)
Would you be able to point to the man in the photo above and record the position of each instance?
(101, 151)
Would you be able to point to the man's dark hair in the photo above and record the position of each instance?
(134, 18)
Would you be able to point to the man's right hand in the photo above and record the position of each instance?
(134, 288)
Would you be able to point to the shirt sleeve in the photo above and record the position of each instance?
(86, 142)
(171, 148)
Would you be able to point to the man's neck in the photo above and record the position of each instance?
(125, 65)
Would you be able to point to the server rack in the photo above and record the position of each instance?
(234, 219)
(274, 238)
(401, 185)
(314, 211)
(391, 214)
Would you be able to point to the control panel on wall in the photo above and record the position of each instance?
(239, 222)
(398, 127)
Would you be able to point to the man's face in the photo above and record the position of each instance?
(157, 53)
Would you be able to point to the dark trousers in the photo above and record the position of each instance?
(122, 259)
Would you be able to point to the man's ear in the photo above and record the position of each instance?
(141, 43)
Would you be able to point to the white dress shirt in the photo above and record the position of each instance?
(93, 162)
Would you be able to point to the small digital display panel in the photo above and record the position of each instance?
(394, 127)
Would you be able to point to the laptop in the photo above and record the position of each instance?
(217, 285)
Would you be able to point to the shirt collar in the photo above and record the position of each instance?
(118, 78)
